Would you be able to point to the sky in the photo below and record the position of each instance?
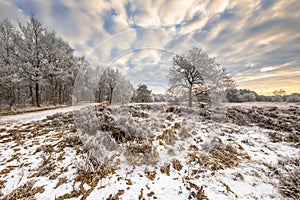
(256, 41)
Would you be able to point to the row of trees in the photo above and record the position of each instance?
(107, 84)
(36, 66)
(245, 95)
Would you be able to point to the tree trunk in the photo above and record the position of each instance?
(60, 93)
(190, 96)
(37, 98)
(99, 96)
(110, 96)
(53, 95)
(31, 92)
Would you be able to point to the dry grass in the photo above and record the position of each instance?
(61, 181)
(116, 196)
(170, 117)
(2, 182)
(72, 140)
(91, 180)
(199, 194)
(228, 189)
(25, 191)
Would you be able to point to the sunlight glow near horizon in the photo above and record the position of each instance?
(258, 42)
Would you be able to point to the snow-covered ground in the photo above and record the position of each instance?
(177, 154)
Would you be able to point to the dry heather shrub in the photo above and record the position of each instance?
(217, 155)
(184, 133)
(170, 117)
(71, 141)
(177, 125)
(140, 153)
(289, 178)
(100, 151)
(168, 136)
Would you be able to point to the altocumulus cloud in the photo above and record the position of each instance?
(258, 41)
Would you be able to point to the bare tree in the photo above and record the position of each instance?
(198, 74)
(280, 92)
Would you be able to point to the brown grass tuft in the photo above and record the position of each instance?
(150, 174)
(165, 169)
(176, 164)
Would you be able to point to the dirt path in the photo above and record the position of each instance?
(38, 115)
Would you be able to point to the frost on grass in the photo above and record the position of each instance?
(106, 136)
(289, 178)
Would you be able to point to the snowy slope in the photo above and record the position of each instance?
(183, 156)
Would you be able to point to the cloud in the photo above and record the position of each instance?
(155, 74)
(8, 10)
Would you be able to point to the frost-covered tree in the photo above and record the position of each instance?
(9, 65)
(58, 70)
(86, 82)
(293, 97)
(198, 74)
(33, 54)
(142, 94)
(101, 92)
(112, 78)
(113, 87)
(123, 92)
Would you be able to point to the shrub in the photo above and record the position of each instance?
(100, 150)
(133, 129)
